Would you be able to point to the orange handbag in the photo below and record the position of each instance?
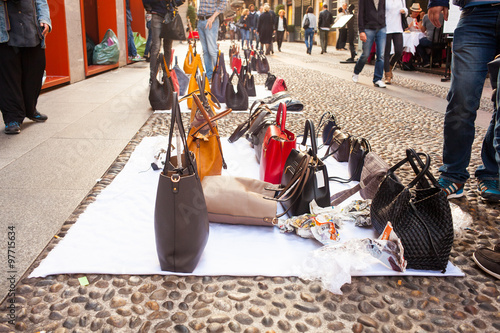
(203, 138)
(192, 61)
(194, 86)
(277, 145)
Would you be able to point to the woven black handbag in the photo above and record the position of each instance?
(419, 212)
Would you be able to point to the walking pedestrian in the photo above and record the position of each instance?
(244, 25)
(324, 23)
(371, 25)
(351, 33)
(253, 16)
(280, 25)
(132, 51)
(309, 25)
(476, 41)
(158, 9)
(266, 29)
(341, 40)
(394, 35)
(208, 28)
(23, 28)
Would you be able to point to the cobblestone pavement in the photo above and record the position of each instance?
(156, 303)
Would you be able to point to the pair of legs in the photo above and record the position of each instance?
(132, 51)
(309, 34)
(208, 39)
(279, 38)
(156, 24)
(342, 39)
(476, 42)
(323, 37)
(245, 36)
(389, 61)
(21, 72)
(379, 37)
(423, 44)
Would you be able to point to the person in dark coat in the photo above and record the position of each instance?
(265, 28)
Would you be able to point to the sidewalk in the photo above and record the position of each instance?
(48, 176)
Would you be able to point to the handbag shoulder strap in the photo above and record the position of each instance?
(281, 114)
(176, 119)
(420, 174)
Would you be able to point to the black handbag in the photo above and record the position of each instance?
(305, 178)
(249, 84)
(161, 93)
(180, 217)
(220, 80)
(328, 125)
(262, 63)
(236, 100)
(339, 147)
(360, 147)
(172, 27)
(270, 81)
(419, 212)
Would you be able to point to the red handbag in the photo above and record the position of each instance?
(279, 85)
(236, 63)
(277, 145)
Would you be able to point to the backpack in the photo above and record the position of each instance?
(306, 22)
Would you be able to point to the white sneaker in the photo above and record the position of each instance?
(355, 78)
(379, 84)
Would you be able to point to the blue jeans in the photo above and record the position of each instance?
(245, 36)
(208, 39)
(132, 51)
(309, 34)
(379, 37)
(476, 42)
(148, 41)
(423, 44)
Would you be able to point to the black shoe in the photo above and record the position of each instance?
(488, 260)
(322, 52)
(38, 117)
(12, 128)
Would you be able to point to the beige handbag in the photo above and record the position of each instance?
(238, 200)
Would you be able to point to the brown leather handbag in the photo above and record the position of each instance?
(203, 138)
(195, 83)
(181, 217)
(246, 195)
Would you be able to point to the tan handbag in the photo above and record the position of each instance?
(192, 61)
(246, 197)
(194, 86)
(204, 141)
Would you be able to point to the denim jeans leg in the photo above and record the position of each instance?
(370, 37)
(156, 22)
(148, 41)
(132, 51)
(379, 63)
(208, 39)
(474, 45)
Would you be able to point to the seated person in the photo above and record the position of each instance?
(414, 18)
(425, 42)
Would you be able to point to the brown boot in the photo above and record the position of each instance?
(388, 77)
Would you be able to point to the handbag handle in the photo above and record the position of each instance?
(410, 152)
(176, 119)
(410, 156)
(281, 114)
(309, 130)
(208, 121)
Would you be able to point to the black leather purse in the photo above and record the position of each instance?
(249, 84)
(236, 100)
(340, 146)
(305, 178)
(161, 93)
(328, 125)
(270, 81)
(262, 63)
(220, 80)
(360, 147)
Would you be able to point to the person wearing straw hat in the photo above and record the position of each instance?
(414, 18)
